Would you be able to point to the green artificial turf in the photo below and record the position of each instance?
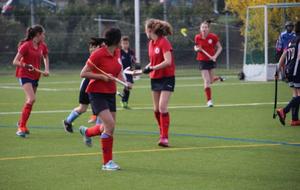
(235, 145)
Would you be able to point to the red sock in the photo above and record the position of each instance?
(93, 131)
(107, 146)
(157, 116)
(24, 116)
(165, 122)
(208, 93)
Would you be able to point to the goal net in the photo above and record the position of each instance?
(264, 23)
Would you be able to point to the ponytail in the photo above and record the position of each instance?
(159, 27)
(31, 32)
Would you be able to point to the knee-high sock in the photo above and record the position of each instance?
(98, 121)
(293, 102)
(157, 117)
(24, 116)
(94, 131)
(107, 146)
(165, 122)
(126, 94)
(208, 93)
(72, 116)
(295, 111)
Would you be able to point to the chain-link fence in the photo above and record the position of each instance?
(67, 39)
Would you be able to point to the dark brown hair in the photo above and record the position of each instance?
(125, 38)
(113, 36)
(159, 27)
(208, 22)
(297, 27)
(94, 41)
(31, 32)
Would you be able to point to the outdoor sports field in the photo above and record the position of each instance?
(235, 145)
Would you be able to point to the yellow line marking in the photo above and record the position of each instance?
(136, 151)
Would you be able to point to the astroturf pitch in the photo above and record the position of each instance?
(235, 145)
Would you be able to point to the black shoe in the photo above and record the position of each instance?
(222, 79)
(68, 126)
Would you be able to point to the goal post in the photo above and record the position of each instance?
(259, 49)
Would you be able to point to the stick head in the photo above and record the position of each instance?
(183, 31)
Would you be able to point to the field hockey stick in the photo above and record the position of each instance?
(40, 71)
(32, 68)
(106, 74)
(134, 72)
(183, 31)
(275, 95)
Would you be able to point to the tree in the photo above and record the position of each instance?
(276, 16)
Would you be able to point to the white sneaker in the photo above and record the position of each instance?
(111, 166)
(210, 103)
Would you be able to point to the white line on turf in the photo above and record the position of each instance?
(150, 107)
(142, 86)
(78, 81)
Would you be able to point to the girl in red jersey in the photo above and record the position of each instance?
(162, 73)
(30, 52)
(209, 43)
(102, 90)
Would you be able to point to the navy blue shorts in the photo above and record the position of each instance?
(207, 65)
(83, 96)
(292, 73)
(35, 83)
(101, 101)
(163, 84)
(129, 78)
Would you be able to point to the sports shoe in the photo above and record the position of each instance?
(26, 129)
(111, 166)
(92, 119)
(87, 140)
(210, 103)
(21, 133)
(281, 115)
(68, 126)
(163, 142)
(295, 123)
(124, 105)
(222, 79)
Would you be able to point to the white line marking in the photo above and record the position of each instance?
(142, 86)
(77, 81)
(150, 107)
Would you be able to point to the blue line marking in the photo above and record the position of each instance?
(125, 131)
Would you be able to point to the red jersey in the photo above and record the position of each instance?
(208, 44)
(156, 50)
(33, 56)
(109, 64)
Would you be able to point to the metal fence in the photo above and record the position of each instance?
(67, 39)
